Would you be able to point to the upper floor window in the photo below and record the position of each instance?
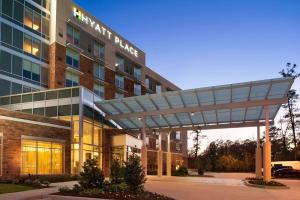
(99, 90)
(44, 3)
(119, 81)
(32, 19)
(158, 89)
(120, 63)
(99, 50)
(31, 71)
(147, 82)
(119, 95)
(71, 79)
(137, 90)
(72, 58)
(32, 45)
(99, 71)
(73, 35)
(137, 73)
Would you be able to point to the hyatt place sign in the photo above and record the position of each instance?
(104, 32)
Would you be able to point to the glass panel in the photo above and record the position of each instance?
(18, 39)
(57, 159)
(87, 133)
(26, 98)
(51, 111)
(29, 149)
(6, 34)
(15, 99)
(36, 22)
(5, 61)
(17, 65)
(16, 88)
(51, 95)
(4, 87)
(27, 44)
(27, 69)
(44, 157)
(18, 11)
(36, 46)
(64, 110)
(39, 111)
(39, 96)
(28, 18)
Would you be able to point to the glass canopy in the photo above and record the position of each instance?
(234, 103)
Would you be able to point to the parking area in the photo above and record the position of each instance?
(222, 186)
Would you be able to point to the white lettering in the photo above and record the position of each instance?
(92, 23)
(104, 31)
(85, 19)
(98, 28)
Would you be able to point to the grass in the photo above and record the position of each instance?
(9, 188)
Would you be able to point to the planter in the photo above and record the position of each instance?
(246, 182)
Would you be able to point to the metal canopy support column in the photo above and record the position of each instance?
(144, 147)
(159, 157)
(258, 161)
(169, 155)
(267, 149)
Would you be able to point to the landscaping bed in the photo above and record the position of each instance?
(97, 193)
(260, 183)
(126, 182)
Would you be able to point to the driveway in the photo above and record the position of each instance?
(223, 186)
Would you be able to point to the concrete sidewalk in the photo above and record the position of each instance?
(36, 194)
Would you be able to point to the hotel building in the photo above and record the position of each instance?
(56, 61)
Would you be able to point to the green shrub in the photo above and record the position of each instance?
(116, 172)
(181, 171)
(200, 171)
(91, 177)
(134, 175)
(92, 192)
(122, 187)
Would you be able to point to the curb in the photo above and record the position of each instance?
(265, 186)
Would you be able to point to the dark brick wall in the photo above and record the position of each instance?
(87, 78)
(12, 132)
(58, 65)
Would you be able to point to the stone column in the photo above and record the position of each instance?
(144, 158)
(267, 149)
(258, 161)
(159, 158)
(169, 156)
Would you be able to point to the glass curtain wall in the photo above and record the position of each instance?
(42, 157)
(74, 104)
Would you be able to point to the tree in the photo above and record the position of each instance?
(290, 71)
(134, 175)
(116, 172)
(91, 177)
(197, 143)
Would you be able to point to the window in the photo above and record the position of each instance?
(4, 87)
(73, 35)
(32, 19)
(158, 89)
(32, 45)
(51, 111)
(137, 73)
(99, 90)
(31, 71)
(5, 61)
(99, 71)
(7, 7)
(42, 157)
(6, 34)
(72, 58)
(1, 154)
(137, 90)
(16, 88)
(18, 11)
(119, 81)
(45, 26)
(99, 50)
(71, 79)
(120, 63)
(18, 39)
(17, 65)
(119, 95)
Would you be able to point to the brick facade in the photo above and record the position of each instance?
(14, 130)
(58, 66)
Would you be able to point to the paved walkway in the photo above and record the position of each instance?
(35, 194)
(222, 186)
(225, 186)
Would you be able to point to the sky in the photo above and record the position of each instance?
(198, 43)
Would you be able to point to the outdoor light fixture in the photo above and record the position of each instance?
(192, 113)
(139, 118)
(117, 65)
